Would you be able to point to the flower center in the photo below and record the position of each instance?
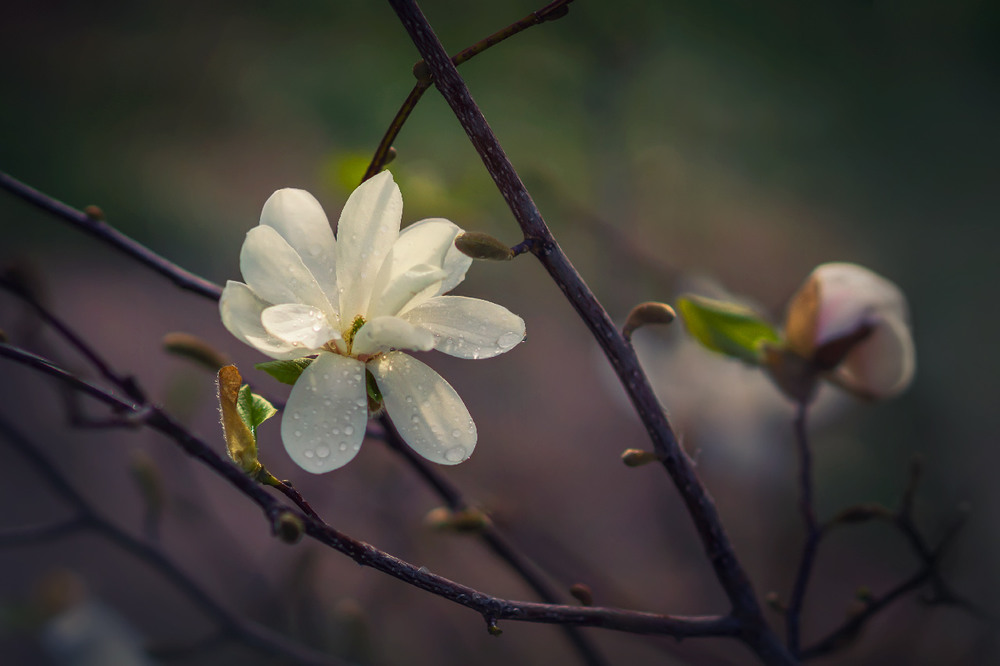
(356, 325)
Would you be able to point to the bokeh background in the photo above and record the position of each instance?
(671, 146)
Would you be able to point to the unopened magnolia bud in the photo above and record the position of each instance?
(196, 349)
(853, 324)
(582, 593)
(479, 245)
(645, 314)
(638, 457)
(241, 444)
(94, 213)
(463, 521)
(288, 527)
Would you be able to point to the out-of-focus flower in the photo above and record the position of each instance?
(853, 324)
(354, 301)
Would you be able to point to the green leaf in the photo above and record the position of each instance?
(253, 409)
(727, 328)
(286, 372)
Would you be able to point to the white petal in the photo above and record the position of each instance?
(298, 217)
(455, 264)
(851, 296)
(427, 245)
(883, 364)
(241, 309)
(299, 325)
(276, 273)
(468, 327)
(385, 333)
(426, 410)
(406, 289)
(327, 411)
(368, 227)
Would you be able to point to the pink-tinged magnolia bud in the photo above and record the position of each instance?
(853, 324)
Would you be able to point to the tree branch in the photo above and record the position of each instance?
(697, 500)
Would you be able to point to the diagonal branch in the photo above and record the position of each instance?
(100, 229)
(699, 504)
(491, 607)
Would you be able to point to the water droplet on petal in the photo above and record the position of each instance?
(456, 433)
(315, 249)
(342, 447)
(348, 430)
(323, 451)
(455, 454)
(296, 415)
(328, 402)
(361, 402)
(508, 340)
(298, 433)
(308, 454)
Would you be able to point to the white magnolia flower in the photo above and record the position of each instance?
(353, 302)
(854, 323)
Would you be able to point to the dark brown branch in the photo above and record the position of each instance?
(252, 634)
(105, 232)
(699, 504)
(813, 533)
(26, 536)
(492, 537)
(367, 555)
(551, 11)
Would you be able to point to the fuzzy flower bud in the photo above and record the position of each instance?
(853, 324)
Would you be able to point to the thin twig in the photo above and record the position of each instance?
(368, 555)
(32, 534)
(105, 232)
(248, 632)
(756, 633)
(551, 11)
(813, 533)
(501, 547)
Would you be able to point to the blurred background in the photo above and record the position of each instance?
(670, 145)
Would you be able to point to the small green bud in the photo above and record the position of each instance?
(638, 457)
(288, 527)
(582, 593)
(195, 349)
(491, 626)
(464, 521)
(645, 314)
(479, 245)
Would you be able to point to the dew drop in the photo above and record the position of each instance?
(361, 402)
(348, 430)
(298, 433)
(336, 431)
(342, 447)
(415, 419)
(409, 398)
(357, 378)
(328, 402)
(323, 451)
(296, 416)
(308, 454)
(456, 433)
(455, 454)
(316, 327)
(315, 249)
(508, 340)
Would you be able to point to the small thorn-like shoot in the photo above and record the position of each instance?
(479, 245)
(582, 593)
(195, 349)
(464, 521)
(645, 314)
(94, 213)
(638, 457)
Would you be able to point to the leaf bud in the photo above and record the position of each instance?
(463, 521)
(647, 313)
(582, 593)
(288, 527)
(638, 457)
(195, 349)
(479, 245)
